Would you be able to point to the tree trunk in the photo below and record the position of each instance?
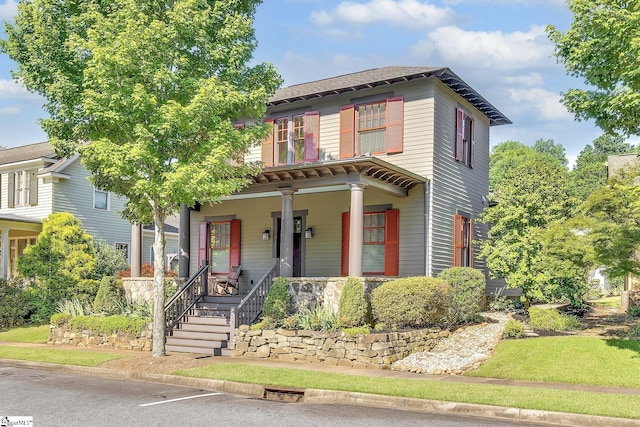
(159, 323)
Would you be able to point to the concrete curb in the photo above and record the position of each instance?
(316, 396)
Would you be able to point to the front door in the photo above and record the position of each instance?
(297, 244)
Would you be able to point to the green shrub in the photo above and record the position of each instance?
(134, 308)
(352, 306)
(513, 329)
(59, 319)
(634, 311)
(412, 302)
(277, 305)
(14, 308)
(357, 330)
(499, 302)
(108, 295)
(109, 325)
(75, 307)
(467, 289)
(551, 320)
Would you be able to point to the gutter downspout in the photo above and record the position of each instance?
(427, 234)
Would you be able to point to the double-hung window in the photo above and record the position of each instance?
(100, 199)
(380, 243)
(220, 244)
(462, 237)
(372, 128)
(464, 138)
(294, 139)
(23, 188)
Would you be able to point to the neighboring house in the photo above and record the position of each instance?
(377, 173)
(35, 183)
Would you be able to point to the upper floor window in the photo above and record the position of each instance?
(100, 199)
(372, 128)
(23, 188)
(295, 139)
(462, 251)
(464, 138)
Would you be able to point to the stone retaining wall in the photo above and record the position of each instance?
(63, 335)
(306, 292)
(376, 350)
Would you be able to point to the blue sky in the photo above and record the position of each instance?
(499, 47)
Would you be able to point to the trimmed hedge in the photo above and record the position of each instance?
(411, 302)
(467, 289)
(14, 304)
(352, 306)
(109, 325)
(277, 305)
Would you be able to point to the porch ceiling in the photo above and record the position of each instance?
(370, 171)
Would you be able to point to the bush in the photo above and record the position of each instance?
(352, 306)
(467, 289)
(109, 325)
(634, 311)
(109, 260)
(277, 305)
(108, 295)
(13, 304)
(499, 302)
(412, 302)
(317, 318)
(551, 320)
(513, 329)
(75, 307)
(60, 319)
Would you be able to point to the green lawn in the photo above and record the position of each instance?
(576, 360)
(606, 302)
(64, 357)
(30, 334)
(613, 405)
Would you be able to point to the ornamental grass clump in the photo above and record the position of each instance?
(411, 302)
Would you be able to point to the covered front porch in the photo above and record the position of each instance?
(16, 234)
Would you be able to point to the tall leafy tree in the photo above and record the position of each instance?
(529, 197)
(602, 48)
(590, 170)
(505, 157)
(147, 92)
(552, 149)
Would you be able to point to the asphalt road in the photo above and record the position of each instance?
(60, 399)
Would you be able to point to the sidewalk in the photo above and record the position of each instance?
(143, 367)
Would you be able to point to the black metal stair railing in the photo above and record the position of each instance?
(184, 301)
(251, 306)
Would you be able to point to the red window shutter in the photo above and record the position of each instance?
(395, 124)
(312, 136)
(234, 245)
(345, 244)
(267, 145)
(459, 147)
(392, 243)
(472, 149)
(347, 129)
(203, 242)
(458, 240)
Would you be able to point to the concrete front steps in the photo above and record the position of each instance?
(207, 331)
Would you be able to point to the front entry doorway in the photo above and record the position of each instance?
(297, 244)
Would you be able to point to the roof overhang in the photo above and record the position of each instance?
(17, 219)
(369, 171)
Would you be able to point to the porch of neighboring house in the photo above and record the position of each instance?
(16, 234)
(314, 223)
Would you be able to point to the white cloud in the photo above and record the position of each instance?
(490, 50)
(531, 80)
(545, 104)
(406, 13)
(9, 111)
(558, 3)
(9, 89)
(8, 10)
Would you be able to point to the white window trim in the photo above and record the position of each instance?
(96, 190)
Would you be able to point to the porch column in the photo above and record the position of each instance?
(136, 250)
(286, 233)
(185, 242)
(356, 219)
(4, 246)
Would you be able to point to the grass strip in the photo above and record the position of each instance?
(574, 360)
(63, 357)
(604, 404)
(30, 334)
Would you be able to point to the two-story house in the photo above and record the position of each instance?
(35, 182)
(376, 173)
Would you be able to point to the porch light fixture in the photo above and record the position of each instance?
(308, 233)
(266, 234)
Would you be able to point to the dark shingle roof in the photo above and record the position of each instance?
(386, 76)
(26, 152)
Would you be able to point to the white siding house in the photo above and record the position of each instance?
(376, 173)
